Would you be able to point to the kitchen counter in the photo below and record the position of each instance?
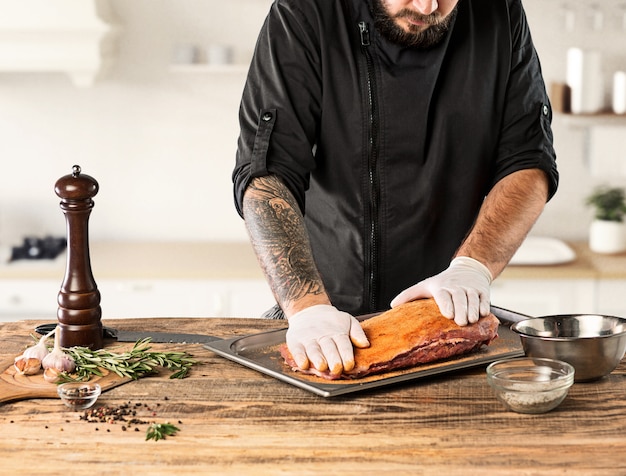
(236, 260)
(587, 265)
(146, 279)
(156, 260)
(234, 420)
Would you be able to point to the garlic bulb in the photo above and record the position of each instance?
(57, 359)
(39, 350)
(27, 365)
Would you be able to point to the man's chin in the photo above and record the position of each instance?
(404, 32)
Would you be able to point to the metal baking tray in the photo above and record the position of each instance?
(260, 352)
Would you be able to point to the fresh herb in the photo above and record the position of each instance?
(158, 431)
(133, 364)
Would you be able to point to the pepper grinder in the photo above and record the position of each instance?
(79, 311)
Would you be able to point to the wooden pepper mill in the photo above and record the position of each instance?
(79, 310)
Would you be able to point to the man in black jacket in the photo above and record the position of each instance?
(386, 143)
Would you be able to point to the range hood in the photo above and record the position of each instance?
(52, 36)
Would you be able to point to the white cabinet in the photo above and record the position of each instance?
(536, 297)
(184, 298)
(37, 299)
(158, 298)
(249, 299)
(28, 299)
(611, 297)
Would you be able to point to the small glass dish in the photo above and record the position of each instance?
(79, 395)
(530, 385)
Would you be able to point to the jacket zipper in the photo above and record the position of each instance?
(372, 257)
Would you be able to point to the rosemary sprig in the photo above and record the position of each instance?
(158, 431)
(135, 363)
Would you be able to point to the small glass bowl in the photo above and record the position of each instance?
(79, 395)
(529, 385)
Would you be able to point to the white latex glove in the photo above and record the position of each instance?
(461, 291)
(322, 336)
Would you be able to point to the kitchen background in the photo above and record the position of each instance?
(150, 111)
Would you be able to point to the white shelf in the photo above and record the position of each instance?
(594, 120)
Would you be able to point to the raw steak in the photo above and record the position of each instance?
(411, 334)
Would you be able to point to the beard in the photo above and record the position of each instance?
(415, 37)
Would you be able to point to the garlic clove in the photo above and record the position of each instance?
(52, 375)
(27, 365)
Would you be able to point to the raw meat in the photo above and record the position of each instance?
(408, 335)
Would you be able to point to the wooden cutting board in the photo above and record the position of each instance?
(14, 387)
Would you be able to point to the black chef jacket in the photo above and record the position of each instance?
(390, 151)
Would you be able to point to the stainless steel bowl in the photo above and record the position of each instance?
(593, 344)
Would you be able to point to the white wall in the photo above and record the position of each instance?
(162, 145)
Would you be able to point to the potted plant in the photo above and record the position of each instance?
(608, 232)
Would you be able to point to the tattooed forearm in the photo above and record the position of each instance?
(276, 229)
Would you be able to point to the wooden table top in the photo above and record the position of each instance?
(234, 420)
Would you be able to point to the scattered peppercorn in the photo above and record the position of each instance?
(111, 415)
(126, 414)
